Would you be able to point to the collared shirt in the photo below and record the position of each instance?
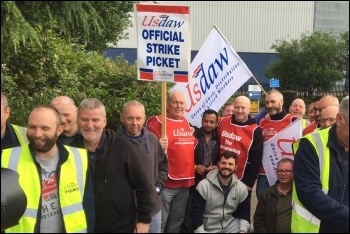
(94, 155)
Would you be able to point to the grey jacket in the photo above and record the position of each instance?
(154, 161)
(212, 213)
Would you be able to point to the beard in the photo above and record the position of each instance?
(226, 173)
(273, 110)
(48, 143)
(210, 131)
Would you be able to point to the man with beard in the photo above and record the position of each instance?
(275, 122)
(242, 135)
(222, 200)
(54, 178)
(65, 105)
(206, 156)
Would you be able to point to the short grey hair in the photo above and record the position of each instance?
(133, 103)
(92, 104)
(280, 95)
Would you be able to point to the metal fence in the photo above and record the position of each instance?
(339, 90)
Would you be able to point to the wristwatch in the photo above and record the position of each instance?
(157, 190)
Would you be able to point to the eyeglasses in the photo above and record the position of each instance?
(287, 172)
(331, 120)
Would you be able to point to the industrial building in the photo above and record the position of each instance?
(251, 27)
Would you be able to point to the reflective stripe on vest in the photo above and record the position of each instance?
(21, 134)
(72, 207)
(71, 187)
(302, 219)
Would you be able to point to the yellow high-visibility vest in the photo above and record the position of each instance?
(71, 186)
(21, 133)
(302, 220)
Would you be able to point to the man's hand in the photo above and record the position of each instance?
(141, 228)
(211, 168)
(200, 169)
(164, 143)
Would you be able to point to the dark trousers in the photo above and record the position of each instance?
(186, 226)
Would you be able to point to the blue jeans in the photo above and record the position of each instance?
(261, 184)
(156, 222)
(173, 209)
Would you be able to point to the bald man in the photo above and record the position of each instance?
(242, 135)
(297, 108)
(68, 111)
(325, 101)
(180, 153)
(328, 116)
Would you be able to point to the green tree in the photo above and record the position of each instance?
(34, 76)
(90, 23)
(315, 62)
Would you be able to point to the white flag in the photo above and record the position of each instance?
(217, 72)
(279, 146)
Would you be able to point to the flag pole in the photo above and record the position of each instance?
(164, 96)
(259, 85)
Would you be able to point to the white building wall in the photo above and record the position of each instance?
(249, 26)
(331, 16)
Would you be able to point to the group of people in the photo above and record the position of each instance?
(79, 176)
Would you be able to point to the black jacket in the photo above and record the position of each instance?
(199, 151)
(117, 172)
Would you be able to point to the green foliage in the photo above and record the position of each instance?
(34, 76)
(15, 30)
(315, 62)
(115, 16)
(91, 23)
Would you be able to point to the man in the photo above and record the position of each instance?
(311, 112)
(327, 100)
(242, 135)
(206, 156)
(220, 202)
(321, 182)
(11, 135)
(68, 111)
(227, 109)
(273, 212)
(117, 171)
(180, 154)
(54, 178)
(328, 116)
(297, 108)
(276, 121)
(154, 161)
(207, 150)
